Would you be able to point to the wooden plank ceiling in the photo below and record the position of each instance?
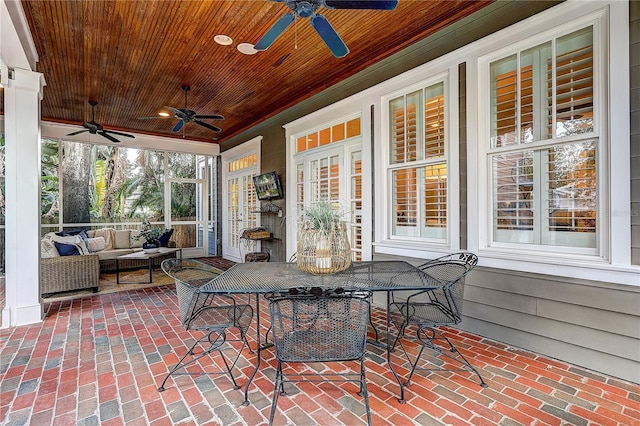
(132, 57)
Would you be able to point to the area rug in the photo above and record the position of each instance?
(131, 280)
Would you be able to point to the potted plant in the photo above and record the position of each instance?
(151, 236)
(323, 246)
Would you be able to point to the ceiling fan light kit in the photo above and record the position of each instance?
(308, 9)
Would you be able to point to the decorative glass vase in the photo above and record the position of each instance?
(323, 252)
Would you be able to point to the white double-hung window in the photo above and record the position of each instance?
(546, 144)
(417, 163)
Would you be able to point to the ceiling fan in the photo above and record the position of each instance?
(308, 8)
(185, 115)
(97, 129)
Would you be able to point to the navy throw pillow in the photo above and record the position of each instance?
(66, 249)
(164, 238)
(80, 233)
(71, 233)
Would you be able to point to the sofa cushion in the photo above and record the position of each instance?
(80, 233)
(48, 249)
(96, 244)
(67, 249)
(70, 240)
(122, 239)
(106, 233)
(135, 241)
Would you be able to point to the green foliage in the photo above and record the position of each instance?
(183, 200)
(144, 186)
(49, 181)
(148, 232)
(122, 183)
(322, 215)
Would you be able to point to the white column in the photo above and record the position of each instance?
(22, 185)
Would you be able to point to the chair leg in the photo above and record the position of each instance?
(276, 392)
(364, 392)
(464, 361)
(191, 352)
(215, 339)
(375, 330)
(246, 342)
(400, 334)
(426, 336)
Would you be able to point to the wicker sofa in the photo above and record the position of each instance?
(78, 272)
(66, 273)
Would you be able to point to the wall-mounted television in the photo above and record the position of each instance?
(268, 186)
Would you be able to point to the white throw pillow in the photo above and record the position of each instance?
(135, 243)
(96, 244)
(121, 240)
(48, 249)
(108, 234)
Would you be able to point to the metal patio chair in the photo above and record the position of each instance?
(428, 310)
(292, 259)
(209, 312)
(319, 326)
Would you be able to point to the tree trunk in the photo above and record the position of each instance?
(76, 175)
(114, 177)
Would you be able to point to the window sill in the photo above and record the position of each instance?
(580, 267)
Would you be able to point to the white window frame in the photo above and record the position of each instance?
(444, 70)
(540, 146)
(612, 263)
(418, 164)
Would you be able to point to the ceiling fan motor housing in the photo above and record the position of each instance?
(304, 9)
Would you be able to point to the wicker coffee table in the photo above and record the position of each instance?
(152, 259)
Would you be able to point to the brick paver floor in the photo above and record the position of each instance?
(99, 360)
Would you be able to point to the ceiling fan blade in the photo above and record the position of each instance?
(178, 112)
(77, 133)
(210, 117)
(126, 135)
(275, 31)
(208, 126)
(111, 138)
(152, 118)
(362, 4)
(178, 126)
(330, 36)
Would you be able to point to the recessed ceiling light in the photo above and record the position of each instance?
(163, 114)
(223, 39)
(247, 49)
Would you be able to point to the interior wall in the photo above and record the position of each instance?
(274, 157)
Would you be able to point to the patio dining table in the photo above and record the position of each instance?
(260, 278)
